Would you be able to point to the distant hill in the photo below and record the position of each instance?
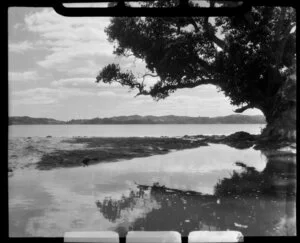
(26, 120)
(135, 119)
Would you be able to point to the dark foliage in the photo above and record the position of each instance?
(249, 62)
(250, 57)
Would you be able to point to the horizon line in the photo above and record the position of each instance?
(235, 114)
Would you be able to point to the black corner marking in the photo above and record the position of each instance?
(122, 239)
(120, 10)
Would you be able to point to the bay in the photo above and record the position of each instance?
(136, 130)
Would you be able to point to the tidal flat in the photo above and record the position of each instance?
(49, 153)
(46, 153)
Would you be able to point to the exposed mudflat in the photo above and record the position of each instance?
(53, 152)
(49, 153)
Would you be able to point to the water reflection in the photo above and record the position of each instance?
(254, 202)
(258, 198)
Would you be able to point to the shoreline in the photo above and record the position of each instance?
(102, 149)
(46, 153)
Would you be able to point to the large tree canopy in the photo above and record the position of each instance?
(250, 57)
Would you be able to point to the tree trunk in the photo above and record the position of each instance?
(282, 126)
(281, 114)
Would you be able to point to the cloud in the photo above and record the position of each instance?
(46, 95)
(106, 94)
(34, 96)
(192, 99)
(17, 25)
(23, 76)
(75, 46)
(182, 101)
(68, 37)
(85, 82)
(20, 47)
(74, 82)
(186, 102)
(62, 55)
(189, 97)
(36, 100)
(116, 95)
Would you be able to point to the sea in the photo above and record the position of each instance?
(139, 130)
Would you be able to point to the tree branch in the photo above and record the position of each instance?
(205, 66)
(212, 4)
(168, 87)
(250, 21)
(283, 40)
(243, 108)
(193, 22)
(220, 43)
(149, 74)
(280, 24)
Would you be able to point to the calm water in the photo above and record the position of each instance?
(130, 130)
(246, 190)
(255, 196)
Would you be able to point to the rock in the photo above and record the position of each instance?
(240, 136)
(240, 140)
(49, 136)
(214, 138)
(86, 161)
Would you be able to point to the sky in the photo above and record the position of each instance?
(54, 61)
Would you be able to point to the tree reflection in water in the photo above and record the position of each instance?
(255, 203)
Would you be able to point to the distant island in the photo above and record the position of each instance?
(136, 119)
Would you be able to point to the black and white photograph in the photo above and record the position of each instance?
(152, 123)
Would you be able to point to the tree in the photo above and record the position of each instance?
(250, 57)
